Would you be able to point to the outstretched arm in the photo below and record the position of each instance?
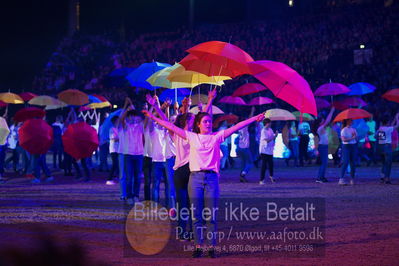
(396, 123)
(166, 124)
(328, 119)
(228, 132)
(211, 97)
(153, 101)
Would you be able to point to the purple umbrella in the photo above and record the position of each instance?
(232, 100)
(260, 101)
(331, 89)
(321, 103)
(349, 102)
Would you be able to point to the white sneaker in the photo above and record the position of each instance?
(352, 182)
(271, 179)
(261, 182)
(110, 182)
(342, 182)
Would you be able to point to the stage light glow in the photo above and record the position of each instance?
(362, 46)
(115, 106)
(291, 3)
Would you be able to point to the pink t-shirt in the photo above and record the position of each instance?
(205, 151)
(182, 151)
(158, 140)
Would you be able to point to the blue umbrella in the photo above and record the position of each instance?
(139, 76)
(171, 93)
(361, 88)
(93, 99)
(361, 128)
(106, 126)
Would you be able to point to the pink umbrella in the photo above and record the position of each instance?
(249, 88)
(27, 96)
(232, 100)
(349, 102)
(3, 104)
(321, 103)
(331, 89)
(286, 84)
(260, 101)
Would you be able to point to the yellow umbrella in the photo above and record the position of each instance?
(305, 116)
(4, 131)
(159, 78)
(99, 105)
(180, 74)
(279, 114)
(73, 97)
(215, 110)
(9, 97)
(44, 100)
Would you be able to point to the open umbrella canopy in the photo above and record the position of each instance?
(29, 113)
(329, 89)
(139, 76)
(80, 140)
(159, 78)
(392, 95)
(171, 94)
(215, 110)
(44, 100)
(230, 119)
(260, 101)
(73, 97)
(321, 103)
(286, 84)
(26, 96)
(352, 113)
(349, 102)
(35, 136)
(279, 115)
(232, 100)
(361, 88)
(249, 88)
(180, 74)
(223, 56)
(9, 97)
(3, 104)
(4, 131)
(305, 117)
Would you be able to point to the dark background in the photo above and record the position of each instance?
(31, 30)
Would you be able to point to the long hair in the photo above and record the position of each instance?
(181, 120)
(197, 120)
(345, 122)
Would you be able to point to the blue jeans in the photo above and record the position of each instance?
(104, 151)
(386, 152)
(323, 152)
(349, 157)
(225, 152)
(181, 178)
(246, 159)
(164, 170)
(294, 148)
(130, 169)
(40, 163)
(203, 189)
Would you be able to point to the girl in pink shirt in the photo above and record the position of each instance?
(204, 163)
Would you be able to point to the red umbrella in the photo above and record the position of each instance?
(249, 88)
(27, 96)
(80, 140)
(392, 95)
(349, 102)
(29, 113)
(193, 63)
(260, 101)
(3, 104)
(225, 56)
(35, 136)
(286, 84)
(321, 103)
(331, 89)
(230, 119)
(352, 113)
(232, 100)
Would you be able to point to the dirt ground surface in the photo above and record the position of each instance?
(361, 221)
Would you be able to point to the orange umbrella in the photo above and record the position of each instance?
(352, 113)
(392, 95)
(73, 97)
(9, 97)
